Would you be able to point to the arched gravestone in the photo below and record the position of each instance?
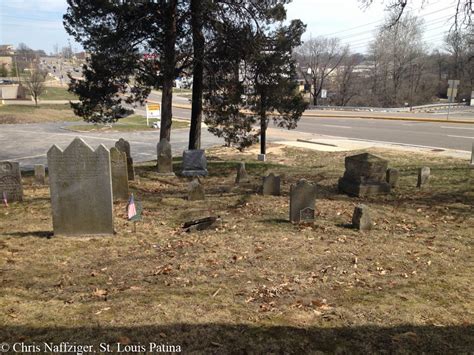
(118, 162)
(10, 181)
(81, 189)
(302, 201)
(124, 146)
(365, 175)
(271, 185)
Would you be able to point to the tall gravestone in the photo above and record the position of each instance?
(271, 185)
(124, 146)
(40, 174)
(80, 181)
(242, 176)
(164, 157)
(365, 175)
(302, 201)
(10, 181)
(194, 163)
(118, 164)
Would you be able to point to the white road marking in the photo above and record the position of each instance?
(452, 127)
(30, 157)
(461, 137)
(336, 126)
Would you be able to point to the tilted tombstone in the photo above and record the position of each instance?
(80, 182)
(365, 174)
(423, 176)
(10, 181)
(40, 174)
(164, 157)
(195, 190)
(124, 146)
(392, 177)
(361, 218)
(302, 201)
(118, 165)
(194, 163)
(271, 185)
(242, 175)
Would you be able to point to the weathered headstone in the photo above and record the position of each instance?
(124, 146)
(164, 157)
(118, 164)
(10, 181)
(40, 174)
(271, 185)
(392, 177)
(242, 176)
(423, 176)
(365, 174)
(195, 190)
(361, 218)
(80, 181)
(194, 163)
(302, 201)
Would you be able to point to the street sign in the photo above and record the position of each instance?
(324, 93)
(452, 90)
(153, 112)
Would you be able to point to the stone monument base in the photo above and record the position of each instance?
(363, 189)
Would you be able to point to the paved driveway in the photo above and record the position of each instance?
(28, 143)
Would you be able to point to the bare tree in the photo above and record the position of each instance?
(397, 53)
(318, 58)
(35, 83)
(346, 80)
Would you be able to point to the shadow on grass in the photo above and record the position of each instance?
(38, 234)
(213, 338)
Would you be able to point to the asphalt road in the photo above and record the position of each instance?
(29, 143)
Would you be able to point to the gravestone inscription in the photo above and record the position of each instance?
(10, 181)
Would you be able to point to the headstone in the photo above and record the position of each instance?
(118, 164)
(302, 200)
(271, 185)
(40, 174)
(195, 190)
(423, 176)
(242, 175)
(80, 181)
(124, 146)
(194, 163)
(392, 177)
(10, 181)
(361, 218)
(261, 157)
(164, 157)
(365, 175)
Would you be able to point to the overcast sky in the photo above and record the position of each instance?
(38, 23)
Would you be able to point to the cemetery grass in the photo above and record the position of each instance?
(255, 282)
(14, 114)
(127, 124)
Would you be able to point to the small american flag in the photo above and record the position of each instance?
(5, 201)
(131, 208)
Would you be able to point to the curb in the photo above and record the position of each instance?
(390, 118)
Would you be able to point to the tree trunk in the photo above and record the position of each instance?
(263, 135)
(198, 69)
(168, 67)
